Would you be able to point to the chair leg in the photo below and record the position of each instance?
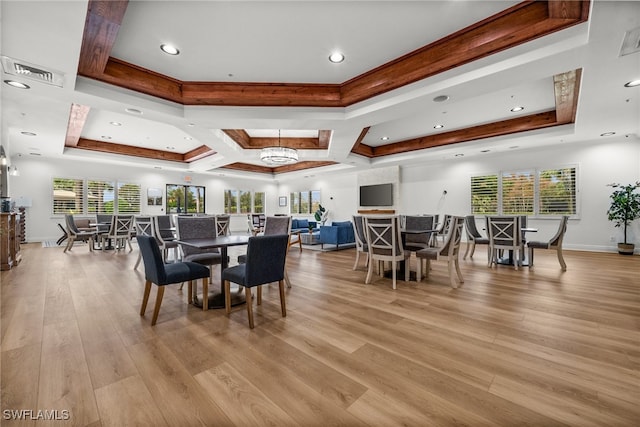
(369, 273)
(467, 250)
(419, 269)
(458, 271)
(473, 249)
(156, 309)
(135, 267)
(427, 267)
(355, 264)
(227, 297)
(407, 268)
(259, 295)
(561, 259)
(205, 293)
(145, 297)
(189, 292)
(90, 244)
(451, 279)
(283, 304)
(393, 273)
(530, 257)
(286, 278)
(249, 306)
(69, 244)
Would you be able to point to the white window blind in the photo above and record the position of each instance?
(67, 196)
(518, 193)
(100, 197)
(231, 201)
(128, 198)
(258, 202)
(484, 195)
(557, 194)
(245, 201)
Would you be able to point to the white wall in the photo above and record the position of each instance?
(617, 160)
(421, 188)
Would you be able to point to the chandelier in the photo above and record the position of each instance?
(279, 155)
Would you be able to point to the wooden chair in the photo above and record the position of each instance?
(554, 243)
(222, 222)
(162, 227)
(449, 251)
(161, 274)
(144, 227)
(385, 244)
(119, 232)
(74, 234)
(361, 240)
(265, 263)
(473, 237)
(505, 234)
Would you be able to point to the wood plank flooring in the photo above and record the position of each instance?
(536, 347)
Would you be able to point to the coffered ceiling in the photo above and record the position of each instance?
(422, 81)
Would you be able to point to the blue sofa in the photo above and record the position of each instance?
(302, 225)
(338, 233)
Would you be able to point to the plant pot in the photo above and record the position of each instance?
(626, 248)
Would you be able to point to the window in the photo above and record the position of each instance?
(258, 202)
(305, 202)
(185, 199)
(243, 201)
(79, 196)
(68, 196)
(542, 192)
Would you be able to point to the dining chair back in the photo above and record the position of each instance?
(554, 243)
(361, 240)
(505, 234)
(161, 274)
(73, 234)
(193, 227)
(144, 227)
(449, 251)
(385, 244)
(222, 224)
(119, 232)
(162, 227)
(265, 263)
(473, 237)
(415, 242)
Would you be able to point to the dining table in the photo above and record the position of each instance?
(216, 298)
(524, 262)
(401, 264)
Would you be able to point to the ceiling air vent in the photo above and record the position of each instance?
(16, 67)
(631, 42)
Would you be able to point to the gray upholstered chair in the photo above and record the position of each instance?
(161, 274)
(473, 237)
(165, 236)
(73, 234)
(443, 230)
(554, 243)
(361, 240)
(385, 244)
(192, 227)
(415, 242)
(265, 261)
(505, 234)
(449, 251)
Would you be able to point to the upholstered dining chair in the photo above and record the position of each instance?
(162, 226)
(473, 237)
(73, 234)
(361, 240)
(505, 234)
(161, 274)
(449, 251)
(144, 227)
(443, 230)
(265, 261)
(554, 243)
(385, 244)
(192, 227)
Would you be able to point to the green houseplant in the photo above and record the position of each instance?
(624, 209)
(321, 215)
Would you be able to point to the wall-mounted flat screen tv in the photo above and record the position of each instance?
(376, 195)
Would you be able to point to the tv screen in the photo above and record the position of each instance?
(376, 195)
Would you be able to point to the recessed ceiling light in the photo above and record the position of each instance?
(16, 84)
(384, 138)
(513, 146)
(191, 125)
(133, 111)
(459, 155)
(28, 133)
(105, 137)
(169, 49)
(170, 147)
(115, 123)
(607, 134)
(632, 83)
(441, 98)
(516, 109)
(157, 167)
(336, 57)
(188, 138)
(484, 151)
(438, 126)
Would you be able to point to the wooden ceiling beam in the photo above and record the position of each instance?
(197, 154)
(128, 150)
(77, 118)
(566, 88)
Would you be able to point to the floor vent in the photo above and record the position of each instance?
(16, 67)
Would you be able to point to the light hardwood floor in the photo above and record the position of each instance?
(530, 347)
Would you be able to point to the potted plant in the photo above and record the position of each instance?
(624, 209)
(321, 215)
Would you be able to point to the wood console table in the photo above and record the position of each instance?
(9, 240)
(377, 211)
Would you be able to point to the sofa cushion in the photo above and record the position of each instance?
(341, 223)
(302, 223)
(294, 224)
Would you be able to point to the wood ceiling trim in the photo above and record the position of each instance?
(244, 140)
(77, 118)
(324, 136)
(359, 147)
(519, 24)
(197, 154)
(240, 136)
(247, 167)
(566, 90)
(128, 150)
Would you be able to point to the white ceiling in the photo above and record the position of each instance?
(271, 41)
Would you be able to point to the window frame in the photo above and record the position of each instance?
(82, 204)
